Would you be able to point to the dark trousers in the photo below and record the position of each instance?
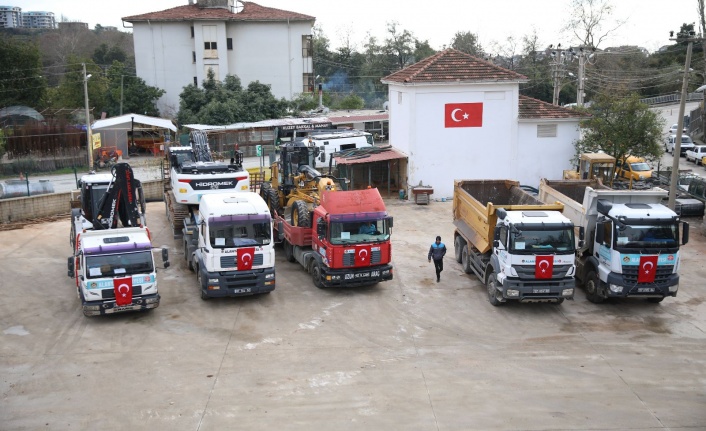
(439, 266)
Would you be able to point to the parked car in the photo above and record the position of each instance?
(686, 144)
(673, 129)
(634, 168)
(696, 154)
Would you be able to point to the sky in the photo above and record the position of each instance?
(647, 22)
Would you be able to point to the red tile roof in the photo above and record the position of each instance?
(251, 12)
(376, 154)
(535, 108)
(452, 65)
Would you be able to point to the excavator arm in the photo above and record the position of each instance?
(123, 200)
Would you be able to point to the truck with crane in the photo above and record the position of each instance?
(521, 249)
(112, 259)
(633, 239)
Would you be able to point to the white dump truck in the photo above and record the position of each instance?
(520, 248)
(228, 242)
(632, 247)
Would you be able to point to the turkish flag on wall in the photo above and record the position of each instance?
(123, 291)
(245, 258)
(362, 256)
(463, 115)
(543, 266)
(648, 269)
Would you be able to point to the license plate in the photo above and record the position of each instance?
(243, 290)
(356, 275)
(540, 290)
(645, 289)
(122, 308)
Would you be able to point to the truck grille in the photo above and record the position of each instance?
(229, 261)
(349, 258)
(110, 293)
(661, 275)
(526, 272)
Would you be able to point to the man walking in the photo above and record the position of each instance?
(437, 252)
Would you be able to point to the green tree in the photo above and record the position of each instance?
(70, 94)
(621, 126)
(136, 96)
(399, 46)
(467, 42)
(534, 64)
(351, 101)
(21, 81)
(422, 50)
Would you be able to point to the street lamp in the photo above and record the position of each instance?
(89, 140)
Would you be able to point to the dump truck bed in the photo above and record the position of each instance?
(477, 201)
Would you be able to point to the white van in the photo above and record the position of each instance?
(334, 141)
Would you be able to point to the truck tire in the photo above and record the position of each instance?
(300, 214)
(592, 284)
(202, 284)
(466, 260)
(272, 199)
(189, 263)
(458, 248)
(493, 295)
(316, 274)
(288, 251)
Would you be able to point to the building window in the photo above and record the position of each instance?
(546, 130)
(214, 68)
(210, 46)
(196, 82)
(229, 43)
(193, 56)
(308, 81)
(307, 46)
(192, 31)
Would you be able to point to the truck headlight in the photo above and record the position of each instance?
(512, 293)
(640, 177)
(674, 288)
(151, 300)
(213, 280)
(268, 276)
(616, 289)
(567, 292)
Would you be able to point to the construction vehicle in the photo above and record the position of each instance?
(112, 258)
(190, 172)
(344, 241)
(228, 242)
(601, 166)
(633, 240)
(520, 248)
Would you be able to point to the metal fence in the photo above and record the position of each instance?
(672, 98)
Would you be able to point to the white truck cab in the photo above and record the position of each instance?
(330, 142)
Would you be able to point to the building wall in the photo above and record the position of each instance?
(261, 51)
(496, 150)
(10, 17)
(38, 20)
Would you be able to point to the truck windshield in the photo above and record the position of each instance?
(118, 265)
(359, 232)
(542, 241)
(647, 236)
(239, 234)
(640, 167)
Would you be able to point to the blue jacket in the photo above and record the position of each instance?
(437, 252)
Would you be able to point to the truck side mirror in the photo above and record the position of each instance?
(581, 243)
(582, 233)
(322, 157)
(165, 257)
(389, 222)
(70, 266)
(321, 228)
(496, 235)
(496, 243)
(685, 233)
(600, 233)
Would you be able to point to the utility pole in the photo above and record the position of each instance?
(559, 56)
(121, 94)
(689, 37)
(582, 65)
(89, 135)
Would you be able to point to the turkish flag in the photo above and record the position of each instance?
(362, 256)
(245, 258)
(123, 291)
(463, 115)
(543, 266)
(648, 269)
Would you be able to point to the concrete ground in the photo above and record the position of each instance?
(408, 354)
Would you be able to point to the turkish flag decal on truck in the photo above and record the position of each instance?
(543, 266)
(123, 291)
(648, 269)
(245, 258)
(463, 115)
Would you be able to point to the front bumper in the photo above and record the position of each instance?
(537, 290)
(239, 283)
(139, 303)
(356, 276)
(616, 287)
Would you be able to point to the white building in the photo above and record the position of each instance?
(459, 117)
(38, 19)
(176, 47)
(10, 17)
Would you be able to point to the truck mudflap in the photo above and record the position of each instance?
(523, 291)
(139, 303)
(355, 276)
(616, 287)
(237, 283)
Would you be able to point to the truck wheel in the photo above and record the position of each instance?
(300, 214)
(189, 263)
(288, 251)
(466, 260)
(458, 248)
(202, 284)
(592, 284)
(655, 300)
(493, 294)
(272, 199)
(316, 275)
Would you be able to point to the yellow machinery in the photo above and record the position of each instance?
(593, 166)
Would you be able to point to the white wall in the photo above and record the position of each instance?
(545, 157)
